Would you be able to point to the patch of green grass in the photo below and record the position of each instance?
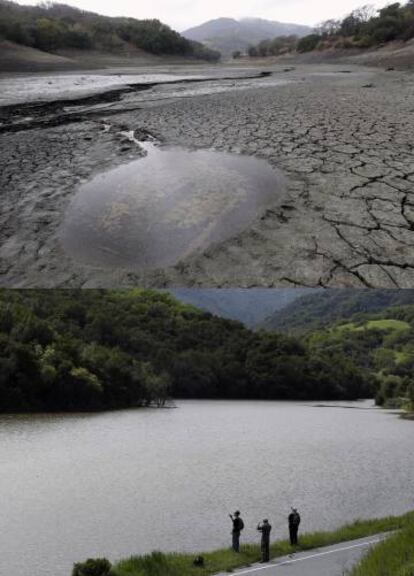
(348, 326)
(158, 564)
(388, 324)
(393, 557)
(383, 324)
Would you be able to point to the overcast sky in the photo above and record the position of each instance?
(182, 14)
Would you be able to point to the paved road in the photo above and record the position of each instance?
(328, 561)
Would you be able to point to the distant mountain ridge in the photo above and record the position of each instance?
(228, 34)
(250, 306)
(292, 310)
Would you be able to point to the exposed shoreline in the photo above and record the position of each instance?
(346, 218)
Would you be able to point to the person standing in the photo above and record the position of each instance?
(238, 526)
(294, 521)
(265, 528)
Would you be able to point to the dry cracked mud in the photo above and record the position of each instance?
(344, 143)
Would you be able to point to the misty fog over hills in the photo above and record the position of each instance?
(251, 306)
(291, 309)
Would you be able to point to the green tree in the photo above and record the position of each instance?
(48, 34)
(308, 43)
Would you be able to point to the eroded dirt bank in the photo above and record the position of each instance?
(343, 138)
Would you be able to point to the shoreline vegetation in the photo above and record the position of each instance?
(160, 564)
(394, 556)
(96, 350)
(58, 36)
(105, 349)
(363, 29)
(53, 28)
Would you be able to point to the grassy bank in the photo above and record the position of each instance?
(158, 564)
(393, 557)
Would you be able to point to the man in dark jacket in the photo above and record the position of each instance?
(294, 521)
(238, 526)
(265, 528)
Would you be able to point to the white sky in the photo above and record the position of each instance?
(182, 14)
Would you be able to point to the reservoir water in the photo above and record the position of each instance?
(114, 484)
(156, 210)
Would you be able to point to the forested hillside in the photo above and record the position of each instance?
(93, 350)
(329, 306)
(381, 344)
(365, 27)
(52, 27)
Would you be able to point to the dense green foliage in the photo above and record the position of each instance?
(323, 308)
(381, 344)
(363, 28)
(372, 328)
(308, 43)
(93, 567)
(86, 349)
(158, 564)
(51, 27)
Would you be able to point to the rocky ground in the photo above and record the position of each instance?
(343, 138)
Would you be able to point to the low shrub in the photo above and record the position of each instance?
(308, 43)
(93, 567)
(365, 42)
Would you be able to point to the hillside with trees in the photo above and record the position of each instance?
(381, 344)
(326, 307)
(97, 350)
(52, 27)
(363, 28)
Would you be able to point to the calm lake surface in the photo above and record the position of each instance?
(114, 484)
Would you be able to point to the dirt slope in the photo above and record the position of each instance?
(18, 58)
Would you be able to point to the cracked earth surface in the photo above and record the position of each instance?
(344, 142)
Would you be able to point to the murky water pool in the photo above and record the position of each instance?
(159, 209)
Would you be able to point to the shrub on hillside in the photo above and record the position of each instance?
(308, 43)
(92, 567)
(365, 42)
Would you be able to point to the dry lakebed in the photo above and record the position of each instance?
(214, 177)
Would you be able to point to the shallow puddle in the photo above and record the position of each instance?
(156, 210)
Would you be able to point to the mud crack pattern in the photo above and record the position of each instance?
(346, 217)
